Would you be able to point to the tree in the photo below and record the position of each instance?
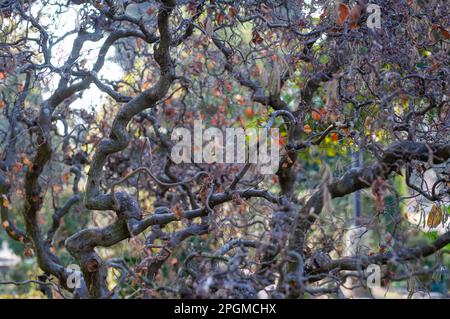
(327, 74)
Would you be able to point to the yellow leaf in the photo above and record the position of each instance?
(434, 217)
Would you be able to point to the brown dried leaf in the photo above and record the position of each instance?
(343, 13)
(256, 38)
(178, 211)
(434, 217)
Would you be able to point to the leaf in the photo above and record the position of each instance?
(434, 217)
(2, 104)
(232, 12)
(307, 129)
(56, 188)
(65, 177)
(178, 211)
(92, 265)
(28, 252)
(17, 167)
(378, 192)
(249, 112)
(169, 112)
(421, 65)
(324, 59)
(26, 161)
(324, 14)
(5, 202)
(445, 33)
(335, 137)
(256, 38)
(316, 115)
(220, 18)
(343, 13)
(355, 14)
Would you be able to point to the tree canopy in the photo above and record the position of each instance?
(91, 93)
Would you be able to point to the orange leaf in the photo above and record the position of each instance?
(307, 129)
(354, 16)
(220, 18)
(56, 188)
(2, 75)
(343, 13)
(65, 177)
(249, 112)
(169, 111)
(26, 161)
(353, 26)
(316, 115)
(5, 201)
(2, 104)
(17, 167)
(145, 85)
(445, 33)
(335, 137)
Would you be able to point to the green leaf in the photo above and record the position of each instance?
(324, 59)
(421, 65)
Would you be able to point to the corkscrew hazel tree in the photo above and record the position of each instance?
(313, 69)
